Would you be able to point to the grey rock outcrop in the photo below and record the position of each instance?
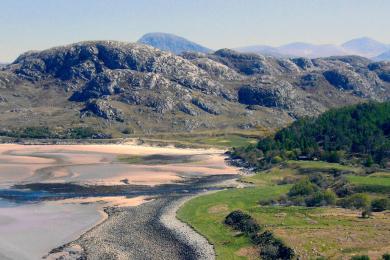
(153, 90)
(104, 109)
(206, 106)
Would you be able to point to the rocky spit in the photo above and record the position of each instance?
(203, 249)
(149, 231)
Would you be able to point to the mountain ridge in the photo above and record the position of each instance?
(114, 86)
(363, 46)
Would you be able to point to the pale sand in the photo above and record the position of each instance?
(97, 164)
(108, 148)
(118, 201)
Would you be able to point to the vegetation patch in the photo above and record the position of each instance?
(270, 246)
(371, 183)
(359, 134)
(158, 159)
(313, 232)
(43, 132)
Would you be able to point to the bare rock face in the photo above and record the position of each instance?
(87, 60)
(8, 80)
(303, 63)
(153, 90)
(206, 106)
(281, 95)
(338, 79)
(214, 69)
(310, 80)
(247, 64)
(185, 108)
(382, 69)
(258, 95)
(102, 108)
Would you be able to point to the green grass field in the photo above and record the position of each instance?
(223, 141)
(206, 215)
(375, 183)
(320, 165)
(312, 232)
(369, 180)
(269, 177)
(207, 139)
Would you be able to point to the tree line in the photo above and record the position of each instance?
(360, 132)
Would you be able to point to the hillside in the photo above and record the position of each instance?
(124, 88)
(360, 131)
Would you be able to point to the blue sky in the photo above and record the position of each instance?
(39, 24)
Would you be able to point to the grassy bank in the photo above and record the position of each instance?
(205, 139)
(313, 232)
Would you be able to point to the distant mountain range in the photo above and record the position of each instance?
(172, 43)
(365, 47)
(383, 56)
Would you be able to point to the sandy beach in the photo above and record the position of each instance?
(98, 164)
(33, 228)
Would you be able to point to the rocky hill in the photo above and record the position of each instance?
(117, 86)
(172, 43)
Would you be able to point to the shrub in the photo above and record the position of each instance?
(330, 197)
(39, 132)
(321, 198)
(303, 188)
(127, 131)
(263, 239)
(378, 205)
(297, 201)
(320, 180)
(332, 156)
(269, 252)
(356, 201)
(271, 247)
(82, 132)
(369, 161)
(277, 159)
(242, 222)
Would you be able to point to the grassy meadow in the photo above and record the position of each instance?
(331, 232)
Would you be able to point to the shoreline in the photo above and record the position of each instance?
(202, 247)
(123, 230)
(157, 217)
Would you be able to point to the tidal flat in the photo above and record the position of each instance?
(51, 195)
